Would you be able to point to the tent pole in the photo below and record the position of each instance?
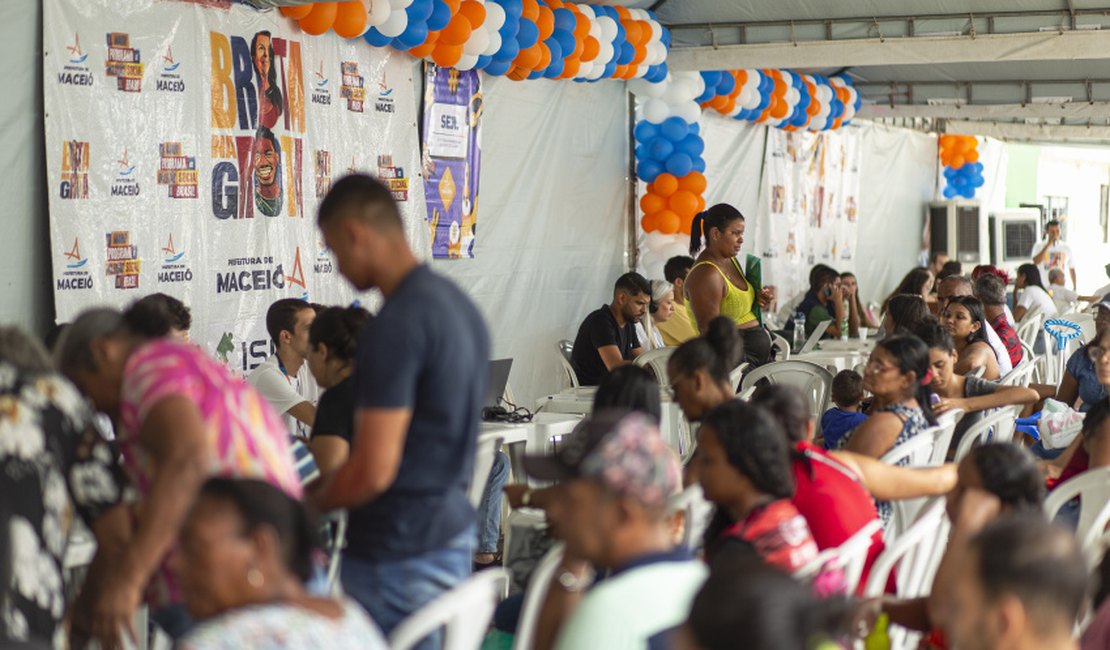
(632, 249)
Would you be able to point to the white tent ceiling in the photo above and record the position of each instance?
(1026, 65)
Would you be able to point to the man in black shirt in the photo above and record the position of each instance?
(420, 376)
(607, 338)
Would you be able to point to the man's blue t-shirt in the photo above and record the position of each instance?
(428, 351)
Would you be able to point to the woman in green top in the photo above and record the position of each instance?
(717, 286)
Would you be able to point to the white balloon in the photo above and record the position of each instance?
(787, 77)
(587, 11)
(837, 81)
(605, 53)
(378, 13)
(747, 98)
(494, 43)
(655, 111)
(641, 70)
(736, 110)
(477, 43)
(689, 111)
(656, 31)
(824, 93)
(395, 25)
(608, 28)
(657, 53)
(495, 17)
(595, 29)
(644, 89)
(793, 96)
(399, 4)
(466, 62)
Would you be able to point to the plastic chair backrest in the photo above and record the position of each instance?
(737, 375)
(335, 553)
(942, 435)
(991, 427)
(562, 350)
(1093, 489)
(1029, 328)
(488, 444)
(850, 557)
(1021, 375)
(534, 596)
(814, 380)
(656, 361)
(465, 612)
(916, 451)
(782, 346)
(698, 513)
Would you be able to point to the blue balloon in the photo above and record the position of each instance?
(555, 68)
(949, 173)
(764, 102)
(528, 34)
(680, 164)
(692, 145)
(977, 181)
(642, 152)
(674, 128)
(622, 34)
(706, 95)
(535, 74)
(567, 42)
(978, 167)
(660, 149)
(627, 53)
(657, 73)
(610, 69)
(509, 29)
(509, 50)
(711, 77)
(695, 128)
(440, 16)
(957, 181)
(498, 67)
(968, 192)
(648, 170)
(419, 10)
(415, 34)
(513, 8)
(555, 49)
(483, 61)
(666, 37)
(950, 192)
(699, 165)
(726, 85)
(645, 131)
(565, 20)
(376, 38)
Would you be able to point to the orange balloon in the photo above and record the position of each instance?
(837, 123)
(579, 48)
(620, 72)
(623, 13)
(972, 156)
(446, 56)
(518, 74)
(741, 77)
(529, 9)
(296, 13)
(631, 30)
(581, 23)
(651, 203)
(648, 222)
(665, 184)
(685, 225)
(475, 12)
(590, 48)
(730, 105)
(667, 222)
(956, 161)
(683, 203)
(453, 5)
(423, 51)
(350, 19)
(555, 4)
(456, 32)
(529, 59)
(546, 23)
(701, 203)
(570, 68)
(545, 57)
(718, 102)
(320, 19)
(694, 182)
(780, 88)
(779, 109)
(640, 55)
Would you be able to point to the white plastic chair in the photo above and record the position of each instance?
(534, 596)
(1029, 328)
(942, 435)
(1021, 375)
(1093, 489)
(814, 380)
(993, 426)
(914, 558)
(737, 375)
(656, 362)
(782, 346)
(917, 451)
(335, 553)
(850, 557)
(563, 351)
(488, 444)
(464, 612)
(698, 513)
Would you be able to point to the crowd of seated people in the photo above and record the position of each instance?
(203, 488)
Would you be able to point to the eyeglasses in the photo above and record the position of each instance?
(876, 366)
(1098, 354)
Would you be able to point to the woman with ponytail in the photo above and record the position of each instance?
(244, 556)
(718, 286)
(699, 369)
(333, 340)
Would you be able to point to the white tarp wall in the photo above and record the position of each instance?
(552, 218)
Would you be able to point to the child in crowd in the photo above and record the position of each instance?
(847, 393)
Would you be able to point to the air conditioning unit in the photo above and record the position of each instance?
(959, 230)
(1013, 234)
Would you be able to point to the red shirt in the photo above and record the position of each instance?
(1008, 336)
(779, 535)
(833, 501)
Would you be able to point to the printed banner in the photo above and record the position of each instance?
(189, 145)
(812, 191)
(452, 158)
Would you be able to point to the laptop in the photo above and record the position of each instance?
(498, 380)
(818, 332)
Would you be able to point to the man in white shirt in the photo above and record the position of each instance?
(1053, 253)
(284, 379)
(1064, 297)
(610, 508)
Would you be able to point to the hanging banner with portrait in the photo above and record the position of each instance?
(811, 196)
(189, 145)
(452, 158)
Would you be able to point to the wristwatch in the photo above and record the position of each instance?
(526, 497)
(574, 584)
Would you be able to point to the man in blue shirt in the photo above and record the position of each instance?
(420, 383)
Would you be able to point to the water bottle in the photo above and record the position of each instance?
(844, 329)
(799, 331)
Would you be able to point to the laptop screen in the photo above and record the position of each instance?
(498, 380)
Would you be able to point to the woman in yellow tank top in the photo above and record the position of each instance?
(717, 286)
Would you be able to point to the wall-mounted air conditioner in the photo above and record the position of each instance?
(959, 230)
(1013, 234)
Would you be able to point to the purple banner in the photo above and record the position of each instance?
(452, 158)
